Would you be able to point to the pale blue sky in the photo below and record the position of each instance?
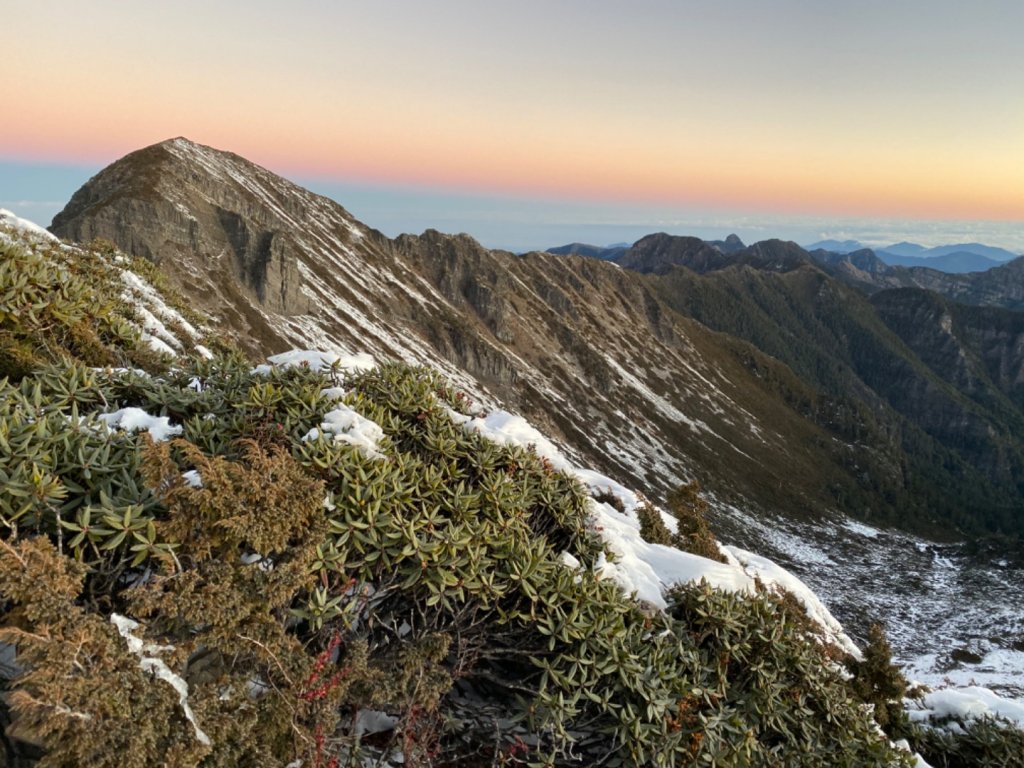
(529, 122)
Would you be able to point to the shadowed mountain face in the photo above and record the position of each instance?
(615, 253)
(979, 350)
(940, 378)
(611, 361)
(659, 253)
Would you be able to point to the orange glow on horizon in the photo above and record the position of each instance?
(757, 184)
(750, 167)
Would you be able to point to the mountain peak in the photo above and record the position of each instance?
(183, 140)
(659, 252)
(836, 246)
(731, 244)
(187, 206)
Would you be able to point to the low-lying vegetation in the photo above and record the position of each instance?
(309, 566)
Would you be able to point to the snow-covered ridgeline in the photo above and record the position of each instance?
(650, 570)
(28, 232)
(154, 315)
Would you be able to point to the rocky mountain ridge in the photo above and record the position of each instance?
(566, 340)
(281, 267)
(951, 259)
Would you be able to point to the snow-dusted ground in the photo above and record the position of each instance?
(952, 618)
(920, 590)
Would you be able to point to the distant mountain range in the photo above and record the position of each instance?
(958, 258)
(731, 244)
(953, 259)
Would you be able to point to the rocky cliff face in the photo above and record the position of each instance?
(979, 353)
(596, 355)
(231, 235)
(660, 252)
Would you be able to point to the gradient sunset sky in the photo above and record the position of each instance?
(528, 123)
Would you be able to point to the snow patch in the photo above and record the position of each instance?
(508, 429)
(26, 228)
(318, 361)
(157, 667)
(350, 427)
(136, 419)
(649, 570)
(971, 702)
(861, 529)
(333, 393)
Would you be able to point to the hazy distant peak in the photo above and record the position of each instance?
(836, 246)
(659, 252)
(904, 249)
(608, 253)
(979, 249)
(913, 254)
(730, 245)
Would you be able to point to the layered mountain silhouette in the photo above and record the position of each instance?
(954, 261)
(789, 381)
(899, 253)
(1000, 286)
